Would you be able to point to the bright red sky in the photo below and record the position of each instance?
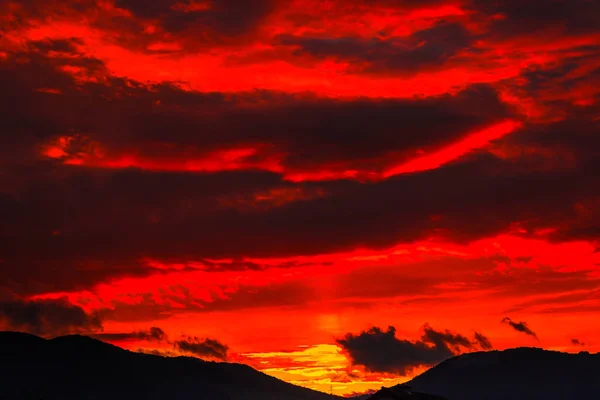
(278, 182)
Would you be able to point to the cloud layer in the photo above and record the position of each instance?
(219, 161)
(47, 317)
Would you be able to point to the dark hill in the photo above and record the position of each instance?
(402, 392)
(523, 373)
(78, 367)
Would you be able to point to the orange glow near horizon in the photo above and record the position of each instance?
(333, 306)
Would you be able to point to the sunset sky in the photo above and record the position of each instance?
(338, 193)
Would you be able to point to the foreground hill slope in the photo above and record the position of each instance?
(523, 373)
(78, 367)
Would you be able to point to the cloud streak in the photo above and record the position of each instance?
(204, 348)
(483, 341)
(521, 326)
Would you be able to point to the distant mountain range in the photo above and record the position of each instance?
(79, 367)
(523, 374)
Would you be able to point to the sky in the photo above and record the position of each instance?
(340, 194)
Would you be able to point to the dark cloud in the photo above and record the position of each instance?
(426, 49)
(577, 342)
(147, 9)
(208, 348)
(204, 348)
(164, 123)
(23, 13)
(526, 17)
(520, 327)
(227, 17)
(441, 339)
(175, 217)
(67, 46)
(47, 317)
(151, 335)
(89, 225)
(566, 89)
(477, 198)
(483, 341)
(381, 351)
(220, 18)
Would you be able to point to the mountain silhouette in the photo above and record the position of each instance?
(79, 367)
(522, 373)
